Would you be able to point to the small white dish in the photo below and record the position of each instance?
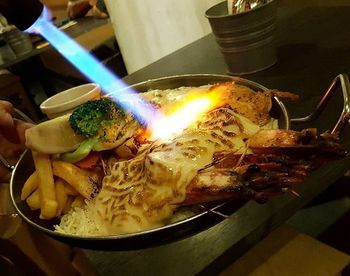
(66, 101)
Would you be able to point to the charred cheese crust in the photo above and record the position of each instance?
(142, 192)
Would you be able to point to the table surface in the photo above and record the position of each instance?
(313, 47)
(84, 24)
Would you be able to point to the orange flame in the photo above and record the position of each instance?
(177, 118)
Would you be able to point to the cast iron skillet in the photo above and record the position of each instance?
(205, 218)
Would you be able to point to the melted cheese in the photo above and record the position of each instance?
(141, 193)
(170, 96)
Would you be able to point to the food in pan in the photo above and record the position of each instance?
(113, 177)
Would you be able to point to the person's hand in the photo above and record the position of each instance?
(95, 12)
(78, 8)
(81, 8)
(12, 137)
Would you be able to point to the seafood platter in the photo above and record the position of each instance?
(100, 178)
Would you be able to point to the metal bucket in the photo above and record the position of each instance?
(246, 40)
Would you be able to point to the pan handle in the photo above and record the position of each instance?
(343, 81)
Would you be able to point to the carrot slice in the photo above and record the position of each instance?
(89, 161)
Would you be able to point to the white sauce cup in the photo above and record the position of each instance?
(66, 101)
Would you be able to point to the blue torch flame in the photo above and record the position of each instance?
(93, 69)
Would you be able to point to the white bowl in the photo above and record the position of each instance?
(66, 101)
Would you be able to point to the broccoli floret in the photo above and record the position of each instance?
(102, 123)
(93, 118)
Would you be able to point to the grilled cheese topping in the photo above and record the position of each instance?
(142, 192)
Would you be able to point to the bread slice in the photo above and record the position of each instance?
(53, 136)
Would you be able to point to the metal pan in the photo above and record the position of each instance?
(203, 219)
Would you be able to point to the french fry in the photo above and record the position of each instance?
(33, 200)
(47, 190)
(75, 177)
(79, 201)
(92, 174)
(29, 186)
(69, 189)
(61, 195)
(68, 205)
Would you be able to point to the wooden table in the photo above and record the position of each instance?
(313, 47)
